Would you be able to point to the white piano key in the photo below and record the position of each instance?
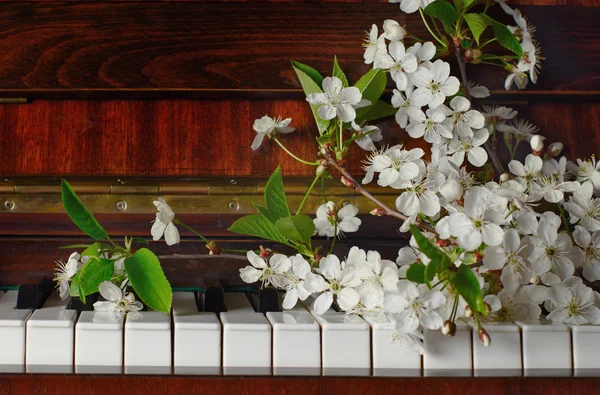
(148, 342)
(345, 342)
(197, 336)
(296, 342)
(546, 348)
(503, 356)
(389, 358)
(12, 330)
(99, 341)
(50, 335)
(446, 355)
(246, 337)
(586, 349)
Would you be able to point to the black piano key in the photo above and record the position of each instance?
(77, 304)
(268, 300)
(33, 296)
(214, 300)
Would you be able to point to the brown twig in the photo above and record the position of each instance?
(359, 189)
(465, 82)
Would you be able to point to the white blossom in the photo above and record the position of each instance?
(374, 45)
(368, 135)
(412, 306)
(269, 273)
(267, 127)
(399, 63)
(590, 245)
(463, 119)
(434, 85)
(330, 222)
(296, 276)
(510, 256)
(552, 250)
(393, 30)
(478, 91)
(573, 303)
(429, 125)
(164, 223)
(587, 171)
(471, 146)
(396, 166)
(117, 301)
(410, 6)
(424, 52)
(584, 208)
(64, 272)
(402, 102)
(337, 100)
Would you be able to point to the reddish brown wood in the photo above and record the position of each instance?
(60, 384)
(205, 138)
(236, 49)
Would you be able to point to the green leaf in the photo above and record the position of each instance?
(371, 85)
(74, 246)
(458, 4)
(258, 226)
(308, 79)
(149, 280)
(477, 24)
(263, 211)
(79, 214)
(416, 273)
(467, 3)
(275, 196)
(74, 289)
(465, 282)
(298, 228)
(309, 71)
(439, 261)
(337, 72)
(505, 37)
(378, 110)
(92, 274)
(93, 250)
(444, 11)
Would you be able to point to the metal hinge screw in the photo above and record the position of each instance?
(9, 205)
(121, 205)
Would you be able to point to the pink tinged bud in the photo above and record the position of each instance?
(484, 337)
(555, 149)
(468, 312)
(347, 182)
(213, 249)
(265, 252)
(537, 143)
(449, 328)
(378, 212)
(332, 209)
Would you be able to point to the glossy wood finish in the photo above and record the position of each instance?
(60, 384)
(216, 50)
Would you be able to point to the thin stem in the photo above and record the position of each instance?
(430, 31)
(465, 82)
(179, 222)
(323, 189)
(294, 156)
(111, 242)
(334, 237)
(491, 40)
(388, 211)
(564, 218)
(308, 193)
(415, 38)
(492, 64)
(341, 138)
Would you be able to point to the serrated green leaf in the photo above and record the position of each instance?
(505, 37)
(149, 281)
(92, 274)
(477, 24)
(458, 4)
(376, 111)
(337, 72)
(465, 282)
(74, 288)
(444, 11)
(467, 3)
(439, 261)
(256, 225)
(298, 228)
(416, 273)
(263, 211)
(309, 85)
(275, 196)
(79, 214)
(371, 85)
(93, 250)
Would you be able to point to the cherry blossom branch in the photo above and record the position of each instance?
(352, 183)
(465, 82)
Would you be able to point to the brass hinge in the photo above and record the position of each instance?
(186, 196)
(13, 100)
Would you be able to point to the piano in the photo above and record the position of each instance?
(132, 100)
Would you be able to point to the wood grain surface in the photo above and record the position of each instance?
(233, 49)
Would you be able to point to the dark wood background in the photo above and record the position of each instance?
(169, 88)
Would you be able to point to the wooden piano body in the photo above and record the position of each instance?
(131, 100)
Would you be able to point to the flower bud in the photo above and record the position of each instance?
(265, 252)
(452, 190)
(504, 177)
(484, 337)
(535, 280)
(449, 328)
(326, 149)
(555, 149)
(213, 249)
(488, 308)
(347, 182)
(468, 312)
(393, 30)
(332, 209)
(378, 212)
(537, 143)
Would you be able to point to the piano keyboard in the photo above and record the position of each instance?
(241, 340)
